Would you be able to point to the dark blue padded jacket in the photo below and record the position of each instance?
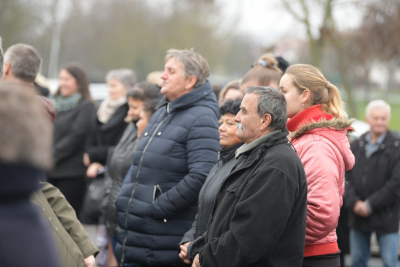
(174, 155)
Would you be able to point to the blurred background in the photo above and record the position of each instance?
(356, 43)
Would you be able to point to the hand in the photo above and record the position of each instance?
(360, 209)
(90, 261)
(183, 254)
(92, 169)
(86, 159)
(196, 261)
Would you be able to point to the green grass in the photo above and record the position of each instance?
(395, 114)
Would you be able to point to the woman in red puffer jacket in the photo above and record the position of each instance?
(318, 125)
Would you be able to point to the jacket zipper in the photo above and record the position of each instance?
(134, 187)
(156, 186)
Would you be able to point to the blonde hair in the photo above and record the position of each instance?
(322, 92)
(25, 132)
(265, 71)
(231, 85)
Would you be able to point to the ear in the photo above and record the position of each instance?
(190, 82)
(265, 121)
(6, 68)
(306, 96)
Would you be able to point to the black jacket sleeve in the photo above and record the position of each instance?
(189, 236)
(243, 244)
(350, 194)
(79, 132)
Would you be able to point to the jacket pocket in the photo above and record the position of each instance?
(235, 191)
(156, 192)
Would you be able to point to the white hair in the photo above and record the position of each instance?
(376, 104)
(126, 76)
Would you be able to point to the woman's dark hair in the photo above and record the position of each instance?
(79, 73)
(145, 90)
(230, 107)
(150, 105)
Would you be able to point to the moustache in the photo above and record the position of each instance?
(239, 126)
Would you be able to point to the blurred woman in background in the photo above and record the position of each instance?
(265, 72)
(75, 113)
(230, 91)
(110, 123)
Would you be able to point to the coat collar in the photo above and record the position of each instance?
(116, 118)
(313, 118)
(389, 140)
(249, 157)
(201, 96)
(225, 154)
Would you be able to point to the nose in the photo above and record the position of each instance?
(221, 127)
(163, 76)
(237, 117)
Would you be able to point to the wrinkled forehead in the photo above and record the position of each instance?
(250, 102)
(174, 63)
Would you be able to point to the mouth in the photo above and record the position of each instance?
(222, 136)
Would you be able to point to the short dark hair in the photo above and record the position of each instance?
(271, 101)
(144, 90)
(230, 107)
(25, 61)
(150, 105)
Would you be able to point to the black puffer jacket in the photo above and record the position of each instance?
(259, 215)
(172, 160)
(119, 160)
(226, 161)
(376, 179)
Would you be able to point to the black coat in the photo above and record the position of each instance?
(71, 131)
(106, 135)
(26, 239)
(259, 215)
(119, 160)
(173, 157)
(226, 161)
(378, 180)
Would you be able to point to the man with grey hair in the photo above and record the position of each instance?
(259, 214)
(22, 63)
(373, 189)
(173, 157)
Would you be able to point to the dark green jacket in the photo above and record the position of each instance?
(73, 243)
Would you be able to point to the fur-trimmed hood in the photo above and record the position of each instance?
(334, 124)
(334, 130)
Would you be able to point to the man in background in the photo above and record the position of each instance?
(373, 189)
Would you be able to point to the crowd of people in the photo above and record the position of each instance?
(177, 174)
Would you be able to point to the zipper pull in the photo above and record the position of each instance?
(122, 263)
(219, 155)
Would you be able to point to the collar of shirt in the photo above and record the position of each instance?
(372, 148)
